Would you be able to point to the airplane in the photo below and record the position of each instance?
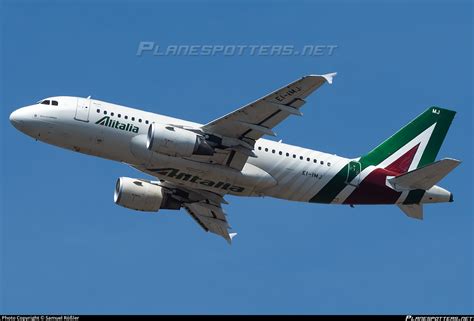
(195, 165)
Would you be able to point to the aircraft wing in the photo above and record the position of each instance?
(259, 117)
(204, 207)
(211, 218)
(242, 127)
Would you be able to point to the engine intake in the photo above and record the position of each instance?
(176, 141)
(141, 195)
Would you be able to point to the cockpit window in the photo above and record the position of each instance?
(48, 102)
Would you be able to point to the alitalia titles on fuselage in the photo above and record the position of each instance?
(177, 174)
(112, 123)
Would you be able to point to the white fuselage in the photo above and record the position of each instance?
(119, 133)
(72, 125)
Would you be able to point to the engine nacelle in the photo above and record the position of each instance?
(141, 195)
(174, 141)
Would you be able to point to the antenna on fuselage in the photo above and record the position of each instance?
(88, 97)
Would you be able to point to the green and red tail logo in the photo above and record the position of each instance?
(415, 145)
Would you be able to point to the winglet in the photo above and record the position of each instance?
(231, 236)
(329, 77)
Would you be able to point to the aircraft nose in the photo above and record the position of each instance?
(19, 117)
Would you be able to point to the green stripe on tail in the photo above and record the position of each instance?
(433, 115)
(442, 117)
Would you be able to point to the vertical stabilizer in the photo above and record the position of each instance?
(415, 145)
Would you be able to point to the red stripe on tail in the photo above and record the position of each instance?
(402, 164)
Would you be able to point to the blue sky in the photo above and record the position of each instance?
(67, 248)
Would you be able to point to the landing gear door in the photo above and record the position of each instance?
(353, 171)
(82, 109)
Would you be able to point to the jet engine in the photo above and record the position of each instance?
(142, 195)
(174, 141)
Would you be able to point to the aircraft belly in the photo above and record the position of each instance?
(251, 181)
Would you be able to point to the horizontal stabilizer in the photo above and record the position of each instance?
(412, 210)
(424, 177)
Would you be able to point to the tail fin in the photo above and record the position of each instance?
(415, 145)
